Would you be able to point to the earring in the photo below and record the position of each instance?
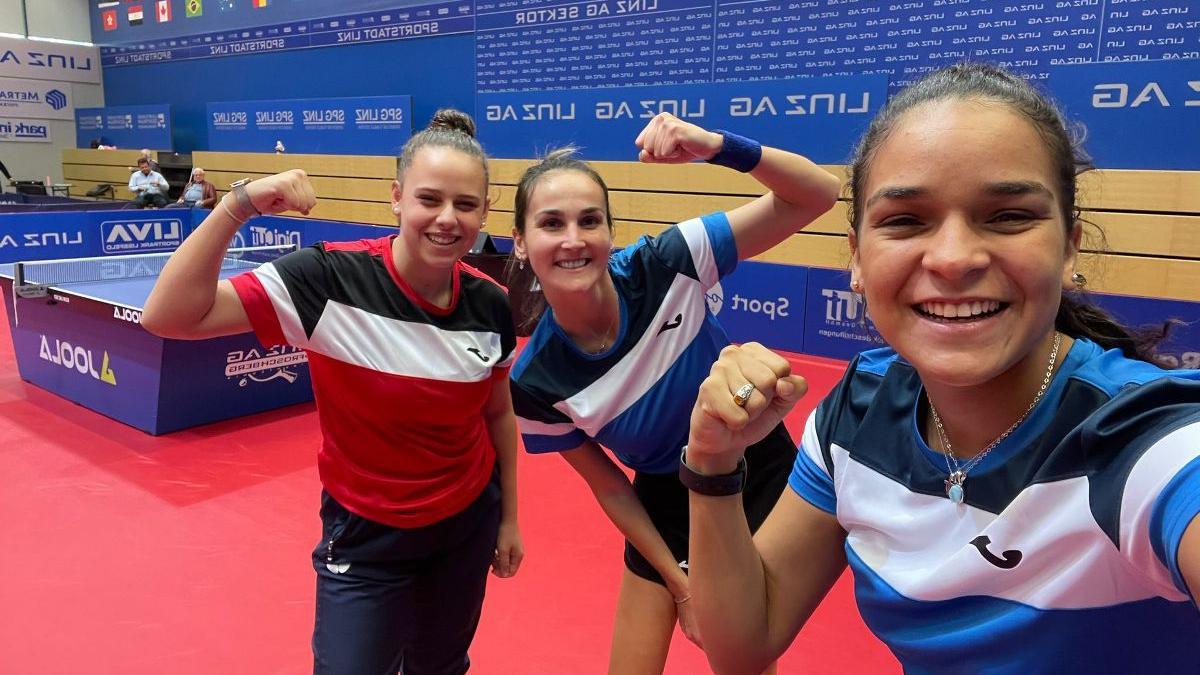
(856, 286)
(396, 210)
(1079, 280)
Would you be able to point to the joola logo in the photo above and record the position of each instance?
(123, 237)
(127, 314)
(76, 358)
(1124, 95)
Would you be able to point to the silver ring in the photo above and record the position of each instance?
(742, 395)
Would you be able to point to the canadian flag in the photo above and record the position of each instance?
(164, 11)
(110, 19)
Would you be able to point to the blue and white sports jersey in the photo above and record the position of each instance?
(635, 398)
(1062, 559)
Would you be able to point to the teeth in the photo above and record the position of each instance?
(960, 310)
(573, 264)
(442, 238)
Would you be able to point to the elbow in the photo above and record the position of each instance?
(158, 322)
(830, 188)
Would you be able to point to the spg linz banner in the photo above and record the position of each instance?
(370, 125)
(127, 127)
(819, 117)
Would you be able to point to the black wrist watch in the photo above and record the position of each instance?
(721, 485)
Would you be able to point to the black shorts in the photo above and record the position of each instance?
(769, 463)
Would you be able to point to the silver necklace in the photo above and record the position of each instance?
(957, 478)
(604, 338)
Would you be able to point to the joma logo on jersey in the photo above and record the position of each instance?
(79, 359)
(122, 237)
(1123, 95)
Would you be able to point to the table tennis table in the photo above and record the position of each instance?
(76, 332)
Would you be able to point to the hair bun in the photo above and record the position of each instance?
(450, 119)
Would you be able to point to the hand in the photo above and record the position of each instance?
(287, 191)
(720, 429)
(687, 621)
(669, 140)
(509, 551)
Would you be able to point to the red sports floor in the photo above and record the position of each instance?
(189, 553)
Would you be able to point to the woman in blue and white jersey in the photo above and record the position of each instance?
(617, 358)
(1014, 481)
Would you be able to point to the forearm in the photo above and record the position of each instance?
(796, 180)
(187, 286)
(625, 511)
(729, 588)
(502, 428)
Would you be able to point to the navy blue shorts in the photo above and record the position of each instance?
(769, 463)
(401, 600)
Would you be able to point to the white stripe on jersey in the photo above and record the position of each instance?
(413, 349)
(641, 368)
(696, 235)
(289, 318)
(920, 544)
(1154, 469)
(810, 443)
(536, 428)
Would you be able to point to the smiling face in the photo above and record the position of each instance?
(440, 206)
(961, 248)
(566, 240)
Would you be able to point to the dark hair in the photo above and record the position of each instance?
(559, 159)
(449, 128)
(1077, 316)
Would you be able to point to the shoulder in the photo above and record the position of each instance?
(875, 379)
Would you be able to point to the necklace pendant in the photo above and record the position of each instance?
(954, 486)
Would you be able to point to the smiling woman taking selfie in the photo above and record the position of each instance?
(1014, 481)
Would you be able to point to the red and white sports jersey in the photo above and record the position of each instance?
(400, 384)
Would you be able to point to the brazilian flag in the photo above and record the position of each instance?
(194, 8)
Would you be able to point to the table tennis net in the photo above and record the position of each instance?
(33, 275)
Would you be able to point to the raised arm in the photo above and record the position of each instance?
(188, 302)
(799, 190)
(752, 595)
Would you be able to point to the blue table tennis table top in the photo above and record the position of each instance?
(128, 292)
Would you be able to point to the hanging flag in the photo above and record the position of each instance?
(109, 19)
(164, 11)
(135, 15)
(260, 3)
(225, 5)
(193, 8)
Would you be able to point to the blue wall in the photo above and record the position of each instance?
(438, 72)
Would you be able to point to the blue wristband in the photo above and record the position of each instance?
(737, 152)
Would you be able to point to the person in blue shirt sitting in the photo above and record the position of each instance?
(149, 188)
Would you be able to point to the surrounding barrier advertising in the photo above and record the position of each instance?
(762, 302)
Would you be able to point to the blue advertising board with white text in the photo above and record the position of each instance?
(129, 126)
(369, 125)
(821, 117)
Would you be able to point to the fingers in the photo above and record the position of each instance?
(748, 364)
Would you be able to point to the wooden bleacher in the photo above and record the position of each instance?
(1151, 219)
(84, 169)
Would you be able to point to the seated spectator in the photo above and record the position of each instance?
(198, 192)
(148, 187)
